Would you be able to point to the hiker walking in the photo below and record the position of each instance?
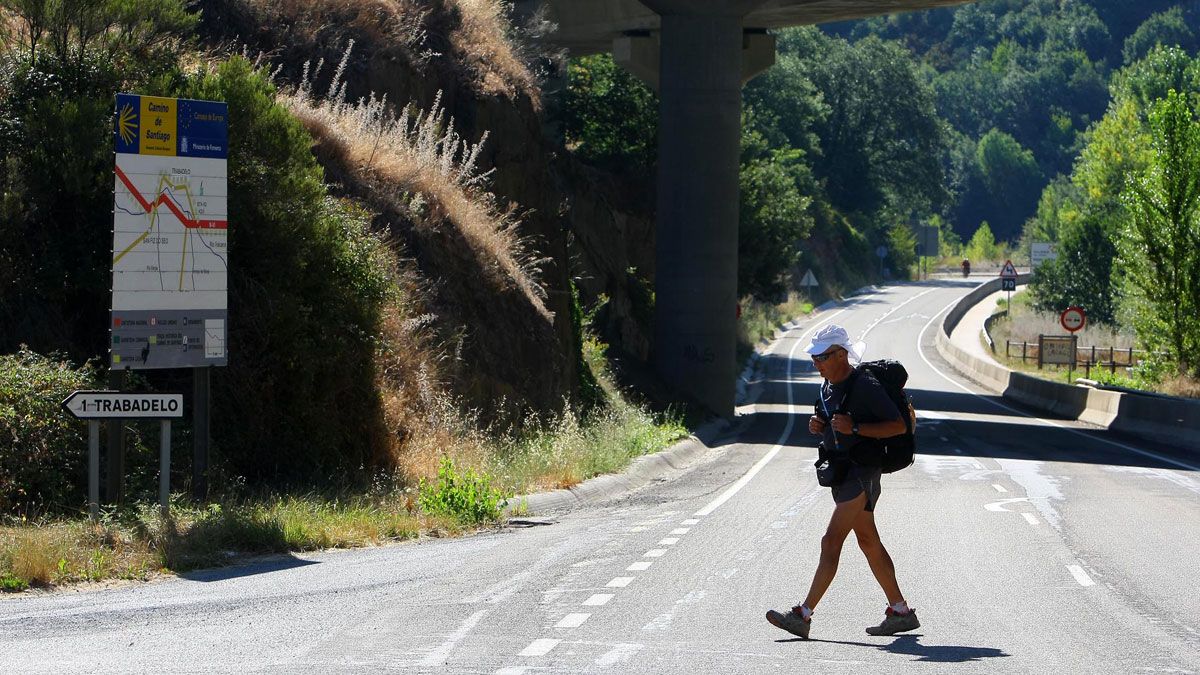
(853, 409)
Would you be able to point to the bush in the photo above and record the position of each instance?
(468, 497)
(42, 450)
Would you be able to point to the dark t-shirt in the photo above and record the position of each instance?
(868, 402)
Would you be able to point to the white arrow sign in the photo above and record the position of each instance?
(809, 280)
(88, 405)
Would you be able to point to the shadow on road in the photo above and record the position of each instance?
(267, 566)
(910, 645)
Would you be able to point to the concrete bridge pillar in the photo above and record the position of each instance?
(700, 81)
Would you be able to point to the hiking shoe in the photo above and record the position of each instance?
(790, 621)
(895, 623)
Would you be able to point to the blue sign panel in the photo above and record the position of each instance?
(153, 125)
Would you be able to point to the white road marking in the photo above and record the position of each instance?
(639, 566)
(620, 582)
(998, 507)
(669, 541)
(999, 488)
(598, 599)
(1030, 518)
(1081, 576)
(655, 553)
(958, 451)
(618, 654)
(514, 670)
(540, 647)
(681, 530)
(639, 528)
(945, 439)
(690, 521)
(728, 574)
(438, 656)
(779, 525)
(572, 621)
(1144, 453)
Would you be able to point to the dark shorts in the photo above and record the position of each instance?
(859, 480)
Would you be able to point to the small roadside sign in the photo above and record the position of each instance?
(1057, 349)
(91, 405)
(1008, 271)
(1073, 318)
(1008, 284)
(1040, 252)
(809, 280)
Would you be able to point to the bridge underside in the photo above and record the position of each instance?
(697, 54)
(590, 26)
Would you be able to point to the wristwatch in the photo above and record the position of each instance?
(854, 429)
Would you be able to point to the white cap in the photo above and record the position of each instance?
(834, 335)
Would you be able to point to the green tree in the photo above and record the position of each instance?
(610, 117)
(982, 245)
(1169, 28)
(773, 215)
(1012, 177)
(1160, 251)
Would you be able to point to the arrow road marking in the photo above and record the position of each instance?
(998, 507)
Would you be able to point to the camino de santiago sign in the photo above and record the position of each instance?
(170, 234)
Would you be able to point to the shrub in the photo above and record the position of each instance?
(469, 497)
(42, 450)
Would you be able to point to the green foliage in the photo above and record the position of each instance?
(1160, 248)
(12, 584)
(610, 117)
(773, 215)
(1169, 28)
(306, 296)
(902, 250)
(467, 496)
(1012, 178)
(591, 393)
(1082, 273)
(43, 451)
(982, 245)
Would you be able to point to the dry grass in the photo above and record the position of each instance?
(416, 164)
(476, 35)
(64, 552)
(1180, 385)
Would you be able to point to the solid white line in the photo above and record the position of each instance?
(1080, 576)
(438, 656)
(540, 647)
(669, 541)
(619, 582)
(655, 553)
(1144, 453)
(572, 621)
(598, 599)
(680, 530)
(1030, 518)
(999, 488)
(639, 566)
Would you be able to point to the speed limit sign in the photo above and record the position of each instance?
(1073, 318)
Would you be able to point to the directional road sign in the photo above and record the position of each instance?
(90, 405)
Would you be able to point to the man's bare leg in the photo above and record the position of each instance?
(877, 556)
(845, 515)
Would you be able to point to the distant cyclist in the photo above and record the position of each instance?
(966, 268)
(847, 423)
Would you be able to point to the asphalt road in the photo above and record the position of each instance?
(1027, 545)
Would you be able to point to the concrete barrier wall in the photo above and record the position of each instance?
(1172, 421)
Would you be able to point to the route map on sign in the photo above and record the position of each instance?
(170, 233)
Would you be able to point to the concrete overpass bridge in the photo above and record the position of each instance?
(697, 54)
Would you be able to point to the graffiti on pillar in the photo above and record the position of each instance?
(695, 354)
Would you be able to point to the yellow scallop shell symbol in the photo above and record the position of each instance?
(127, 124)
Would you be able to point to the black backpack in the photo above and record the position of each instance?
(896, 452)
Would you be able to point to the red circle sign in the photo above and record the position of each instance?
(1073, 318)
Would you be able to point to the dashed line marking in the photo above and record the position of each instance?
(1081, 576)
(639, 566)
(655, 553)
(945, 439)
(999, 488)
(669, 541)
(598, 599)
(639, 528)
(1030, 518)
(540, 647)
(438, 656)
(690, 521)
(572, 620)
(620, 582)
(618, 654)
(958, 451)
(681, 530)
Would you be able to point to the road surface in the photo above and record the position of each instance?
(1027, 545)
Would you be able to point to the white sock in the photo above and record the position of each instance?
(805, 612)
(900, 607)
